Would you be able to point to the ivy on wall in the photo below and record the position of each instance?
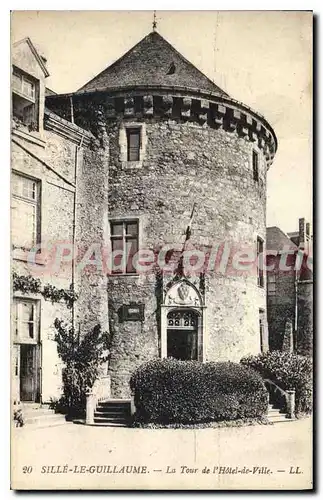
(28, 284)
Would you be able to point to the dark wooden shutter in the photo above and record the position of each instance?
(262, 329)
(260, 261)
(133, 144)
(255, 166)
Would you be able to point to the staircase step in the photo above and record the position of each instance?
(100, 424)
(109, 424)
(111, 400)
(277, 418)
(116, 411)
(113, 409)
(275, 413)
(111, 414)
(110, 419)
(282, 421)
(116, 406)
(107, 417)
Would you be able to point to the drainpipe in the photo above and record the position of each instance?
(72, 109)
(74, 253)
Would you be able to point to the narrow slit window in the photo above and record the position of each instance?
(262, 329)
(260, 262)
(171, 69)
(133, 144)
(255, 166)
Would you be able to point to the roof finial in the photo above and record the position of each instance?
(154, 22)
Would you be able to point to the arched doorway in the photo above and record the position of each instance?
(182, 334)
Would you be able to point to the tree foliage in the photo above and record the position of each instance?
(82, 358)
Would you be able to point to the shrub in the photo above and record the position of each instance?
(171, 391)
(288, 371)
(82, 358)
(18, 418)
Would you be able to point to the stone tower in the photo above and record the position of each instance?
(171, 144)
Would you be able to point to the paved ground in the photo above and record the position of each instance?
(259, 457)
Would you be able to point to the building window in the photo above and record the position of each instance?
(271, 284)
(255, 166)
(260, 262)
(133, 144)
(24, 93)
(262, 329)
(23, 85)
(25, 320)
(124, 245)
(25, 211)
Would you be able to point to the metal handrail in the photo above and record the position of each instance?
(289, 396)
(276, 386)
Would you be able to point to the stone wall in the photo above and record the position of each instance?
(40, 161)
(281, 306)
(92, 232)
(305, 318)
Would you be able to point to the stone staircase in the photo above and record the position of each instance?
(37, 415)
(113, 413)
(281, 403)
(276, 415)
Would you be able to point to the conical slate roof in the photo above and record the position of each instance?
(153, 61)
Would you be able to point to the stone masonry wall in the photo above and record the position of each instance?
(281, 306)
(305, 318)
(56, 208)
(92, 232)
(186, 163)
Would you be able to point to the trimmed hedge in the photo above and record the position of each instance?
(186, 392)
(289, 371)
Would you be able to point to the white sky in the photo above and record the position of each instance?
(263, 59)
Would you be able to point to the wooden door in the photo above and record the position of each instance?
(28, 372)
(15, 360)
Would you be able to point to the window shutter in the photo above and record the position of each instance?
(133, 144)
(255, 166)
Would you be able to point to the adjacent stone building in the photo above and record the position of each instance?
(290, 289)
(176, 169)
(44, 159)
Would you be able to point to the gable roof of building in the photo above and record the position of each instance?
(277, 240)
(152, 61)
(35, 52)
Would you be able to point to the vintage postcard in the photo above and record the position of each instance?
(161, 236)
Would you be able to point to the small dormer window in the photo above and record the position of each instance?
(23, 85)
(24, 99)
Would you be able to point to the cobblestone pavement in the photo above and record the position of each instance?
(264, 457)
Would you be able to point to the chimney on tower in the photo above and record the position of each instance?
(301, 233)
(304, 233)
